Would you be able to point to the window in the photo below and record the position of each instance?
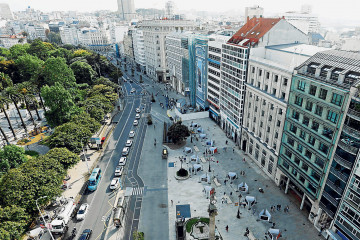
(285, 82)
(264, 102)
(270, 118)
(276, 77)
(278, 123)
(332, 116)
(261, 124)
(253, 70)
(305, 167)
(297, 160)
(299, 148)
(320, 163)
(266, 88)
(288, 153)
(306, 121)
(276, 135)
(280, 111)
(249, 105)
(311, 140)
(293, 128)
(318, 110)
(315, 176)
(272, 106)
(323, 148)
(290, 141)
(301, 85)
(315, 126)
(294, 172)
(250, 149)
(262, 113)
(267, 75)
(302, 135)
(336, 99)
(308, 154)
(302, 179)
(260, 72)
(274, 91)
(311, 188)
(268, 129)
(298, 101)
(309, 106)
(327, 132)
(322, 94)
(282, 95)
(312, 90)
(256, 109)
(295, 115)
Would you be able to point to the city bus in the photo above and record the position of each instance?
(94, 179)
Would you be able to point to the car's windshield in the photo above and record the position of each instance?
(92, 183)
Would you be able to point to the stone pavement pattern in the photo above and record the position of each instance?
(294, 224)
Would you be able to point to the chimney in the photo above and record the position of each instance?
(248, 18)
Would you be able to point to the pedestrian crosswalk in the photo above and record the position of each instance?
(137, 191)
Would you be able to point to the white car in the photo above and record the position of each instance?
(125, 151)
(122, 161)
(138, 110)
(132, 134)
(137, 116)
(114, 183)
(133, 90)
(118, 171)
(129, 143)
(82, 211)
(136, 122)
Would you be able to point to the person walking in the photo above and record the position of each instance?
(227, 228)
(271, 209)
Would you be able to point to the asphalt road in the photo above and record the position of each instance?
(101, 201)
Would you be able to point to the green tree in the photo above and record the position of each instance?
(177, 132)
(102, 90)
(54, 37)
(5, 81)
(29, 67)
(18, 50)
(84, 119)
(83, 72)
(13, 220)
(97, 106)
(63, 156)
(11, 156)
(9, 68)
(26, 93)
(60, 102)
(105, 81)
(40, 49)
(56, 70)
(4, 52)
(61, 52)
(36, 178)
(69, 135)
(3, 102)
(138, 235)
(13, 94)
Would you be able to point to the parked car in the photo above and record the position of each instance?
(125, 151)
(122, 161)
(138, 110)
(136, 122)
(82, 211)
(85, 234)
(133, 90)
(137, 116)
(115, 183)
(132, 134)
(118, 171)
(129, 143)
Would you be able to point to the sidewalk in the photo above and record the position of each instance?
(294, 225)
(79, 173)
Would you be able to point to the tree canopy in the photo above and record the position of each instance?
(83, 72)
(13, 220)
(63, 156)
(177, 132)
(56, 70)
(11, 156)
(29, 67)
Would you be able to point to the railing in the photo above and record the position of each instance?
(338, 174)
(327, 210)
(351, 131)
(333, 186)
(330, 198)
(348, 148)
(354, 113)
(343, 162)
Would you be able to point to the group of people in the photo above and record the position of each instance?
(278, 208)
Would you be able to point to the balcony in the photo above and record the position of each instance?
(351, 131)
(343, 162)
(330, 198)
(334, 187)
(354, 114)
(339, 174)
(347, 147)
(327, 210)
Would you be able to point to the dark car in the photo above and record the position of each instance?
(85, 234)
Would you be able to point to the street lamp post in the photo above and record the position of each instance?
(82, 146)
(43, 216)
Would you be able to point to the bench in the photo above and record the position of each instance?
(217, 182)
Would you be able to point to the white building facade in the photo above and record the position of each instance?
(126, 9)
(69, 35)
(155, 32)
(304, 20)
(139, 48)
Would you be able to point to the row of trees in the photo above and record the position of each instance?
(72, 87)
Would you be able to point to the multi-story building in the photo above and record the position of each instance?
(139, 49)
(155, 32)
(126, 9)
(5, 12)
(69, 35)
(7, 41)
(317, 146)
(95, 39)
(200, 71)
(128, 45)
(267, 91)
(304, 20)
(213, 80)
(177, 60)
(257, 32)
(169, 9)
(36, 31)
(251, 12)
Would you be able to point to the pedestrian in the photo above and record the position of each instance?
(172, 202)
(244, 159)
(271, 209)
(230, 193)
(233, 150)
(227, 228)
(279, 207)
(226, 142)
(273, 225)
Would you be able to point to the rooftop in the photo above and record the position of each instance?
(253, 30)
(298, 48)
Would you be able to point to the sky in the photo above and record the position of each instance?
(328, 11)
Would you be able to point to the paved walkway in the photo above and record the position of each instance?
(294, 224)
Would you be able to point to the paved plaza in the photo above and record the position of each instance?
(294, 225)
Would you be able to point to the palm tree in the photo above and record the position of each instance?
(4, 101)
(5, 137)
(31, 91)
(13, 94)
(24, 90)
